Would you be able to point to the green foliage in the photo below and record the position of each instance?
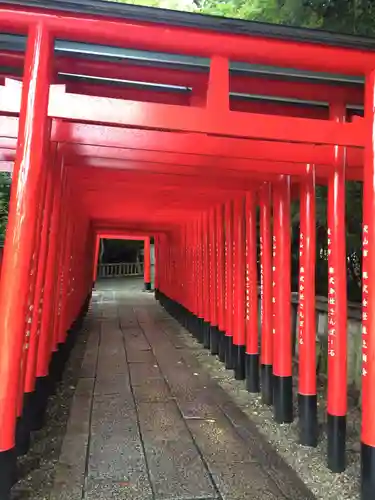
(163, 4)
(5, 183)
(292, 12)
(344, 16)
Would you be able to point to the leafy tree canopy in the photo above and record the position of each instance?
(344, 16)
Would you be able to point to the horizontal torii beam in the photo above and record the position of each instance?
(82, 135)
(209, 120)
(202, 42)
(246, 84)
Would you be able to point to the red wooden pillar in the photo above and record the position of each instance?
(194, 289)
(198, 281)
(39, 287)
(147, 264)
(200, 284)
(191, 259)
(46, 341)
(214, 332)
(229, 354)
(265, 240)
(206, 252)
(163, 265)
(156, 266)
(174, 290)
(282, 350)
(190, 276)
(19, 245)
(251, 275)
(220, 245)
(64, 230)
(164, 252)
(24, 403)
(307, 399)
(181, 257)
(80, 285)
(64, 265)
(368, 301)
(65, 281)
(239, 337)
(161, 272)
(337, 308)
(96, 259)
(161, 257)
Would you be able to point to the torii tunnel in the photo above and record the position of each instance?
(134, 236)
(123, 120)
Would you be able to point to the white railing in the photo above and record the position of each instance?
(120, 270)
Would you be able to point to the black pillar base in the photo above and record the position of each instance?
(147, 286)
(252, 373)
(199, 332)
(188, 321)
(197, 327)
(55, 367)
(283, 399)
(230, 354)
(222, 346)
(8, 472)
(64, 351)
(214, 340)
(308, 420)
(240, 363)
(22, 437)
(266, 383)
(206, 335)
(44, 387)
(24, 424)
(367, 472)
(336, 437)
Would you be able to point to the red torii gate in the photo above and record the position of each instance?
(189, 169)
(130, 236)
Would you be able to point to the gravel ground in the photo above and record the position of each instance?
(309, 463)
(37, 468)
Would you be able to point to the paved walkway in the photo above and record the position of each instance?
(145, 424)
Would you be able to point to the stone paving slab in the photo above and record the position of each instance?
(134, 355)
(113, 414)
(85, 387)
(244, 481)
(109, 384)
(136, 488)
(70, 471)
(148, 423)
(116, 452)
(176, 468)
(88, 368)
(71, 468)
(135, 340)
(80, 414)
(153, 390)
(112, 362)
(218, 441)
(142, 372)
